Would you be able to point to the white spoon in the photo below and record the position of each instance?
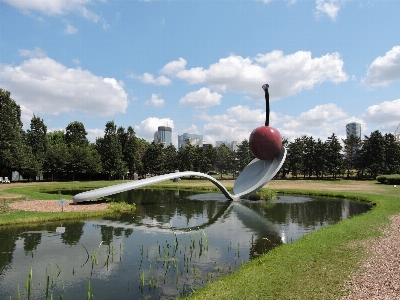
(253, 177)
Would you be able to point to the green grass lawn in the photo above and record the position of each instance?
(314, 267)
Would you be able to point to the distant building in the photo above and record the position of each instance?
(233, 146)
(205, 146)
(397, 137)
(353, 128)
(219, 143)
(194, 139)
(163, 135)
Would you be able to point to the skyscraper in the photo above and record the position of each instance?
(353, 128)
(164, 135)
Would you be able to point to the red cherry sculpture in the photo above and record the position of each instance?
(265, 142)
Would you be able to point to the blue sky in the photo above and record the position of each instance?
(198, 66)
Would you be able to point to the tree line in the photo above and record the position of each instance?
(68, 155)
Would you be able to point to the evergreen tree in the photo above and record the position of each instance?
(352, 146)
(392, 154)
(334, 159)
(373, 154)
(295, 157)
(37, 141)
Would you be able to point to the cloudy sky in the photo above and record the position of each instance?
(198, 66)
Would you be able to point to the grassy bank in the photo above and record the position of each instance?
(314, 267)
(48, 191)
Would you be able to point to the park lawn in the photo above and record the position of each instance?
(314, 267)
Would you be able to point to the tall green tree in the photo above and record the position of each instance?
(392, 154)
(334, 159)
(153, 160)
(373, 154)
(130, 149)
(110, 151)
(11, 135)
(243, 155)
(320, 159)
(351, 148)
(308, 155)
(57, 154)
(37, 141)
(75, 134)
(78, 148)
(223, 158)
(169, 153)
(295, 157)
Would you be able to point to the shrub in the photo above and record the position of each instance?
(263, 194)
(393, 179)
(381, 178)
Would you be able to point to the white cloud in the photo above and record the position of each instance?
(76, 61)
(155, 101)
(174, 67)
(46, 86)
(37, 52)
(329, 7)
(55, 7)
(236, 124)
(387, 111)
(70, 29)
(384, 69)
(286, 75)
(149, 79)
(192, 129)
(320, 122)
(94, 133)
(202, 98)
(148, 127)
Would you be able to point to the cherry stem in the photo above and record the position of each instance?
(265, 88)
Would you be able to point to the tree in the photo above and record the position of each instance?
(392, 154)
(351, 148)
(75, 134)
(11, 135)
(308, 155)
(110, 151)
(243, 155)
(169, 157)
(373, 154)
(78, 148)
(130, 149)
(295, 157)
(186, 157)
(223, 157)
(57, 155)
(334, 159)
(36, 140)
(320, 158)
(153, 161)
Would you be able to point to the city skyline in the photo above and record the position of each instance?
(198, 66)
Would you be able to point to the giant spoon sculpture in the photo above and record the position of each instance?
(266, 145)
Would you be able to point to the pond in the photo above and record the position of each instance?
(175, 242)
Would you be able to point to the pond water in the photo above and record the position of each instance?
(175, 242)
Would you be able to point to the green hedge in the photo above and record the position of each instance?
(389, 179)
(381, 178)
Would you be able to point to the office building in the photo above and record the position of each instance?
(353, 128)
(163, 135)
(194, 139)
